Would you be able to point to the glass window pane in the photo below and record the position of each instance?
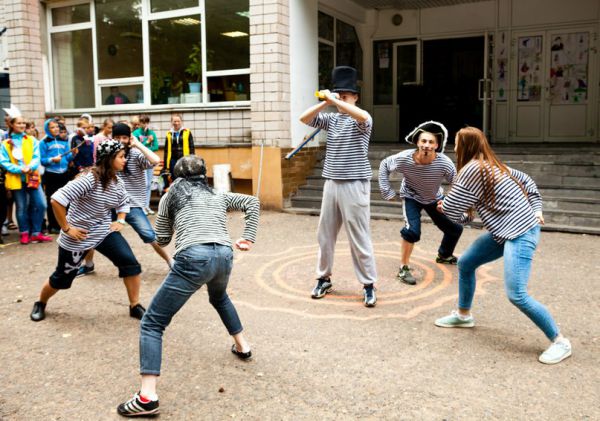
(127, 94)
(119, 38)
(71, 14)
(73, 68)
(348, 49)
(175, 58)
(227, 29)
(325, 26)
(407, 64)
(229, 88)
(164, 5)
(383, 73)
(325, 65)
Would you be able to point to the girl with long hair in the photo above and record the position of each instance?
(203, 256)
(20, 156)
(510, 207)
(87, 225)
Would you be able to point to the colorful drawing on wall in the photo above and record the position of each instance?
(502, 68)
(569, 68)
(529, 87)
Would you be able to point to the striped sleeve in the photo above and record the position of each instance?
(321, 121)
(457, 202)
(143, 162)
(385, 168)
(125, 204)
(164, 224)
(251, 207)
(365, 126)
(533, 194)
(74, 190)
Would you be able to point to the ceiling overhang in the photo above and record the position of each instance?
(409, 4)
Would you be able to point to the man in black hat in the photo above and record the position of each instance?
(423, 169)
(346, 195)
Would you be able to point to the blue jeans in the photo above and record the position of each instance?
(149, 177)
(412, 231)
(194, 266)
(518, 254)
(141, 224)
(31, 206)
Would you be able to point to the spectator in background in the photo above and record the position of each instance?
(179, 143)
(84, 146)
(148, 138)
(116, 97)
(105, 133)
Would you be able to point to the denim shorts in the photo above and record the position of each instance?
(141, 224)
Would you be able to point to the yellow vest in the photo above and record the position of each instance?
(186, 146)
(13, 181)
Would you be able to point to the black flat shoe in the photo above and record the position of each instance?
(241, 355)
(39, 311)
(137, 311)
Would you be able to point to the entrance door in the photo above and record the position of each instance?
(452, 70)
(553, 100)
(407, 87)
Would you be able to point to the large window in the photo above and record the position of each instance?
(120, 54)
(338, 46)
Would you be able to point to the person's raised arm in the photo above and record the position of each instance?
(309, 115)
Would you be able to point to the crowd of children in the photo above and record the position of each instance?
(32, 169)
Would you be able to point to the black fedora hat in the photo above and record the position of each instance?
(344, 79)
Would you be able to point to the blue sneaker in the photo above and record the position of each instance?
(85, 270)
(370, 297)
(323, 287)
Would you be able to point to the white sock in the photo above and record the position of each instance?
(151, 396)
(462, 317)
(89, 264)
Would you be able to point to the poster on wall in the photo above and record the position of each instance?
(502, 68)
(529, 85)
(569, 68)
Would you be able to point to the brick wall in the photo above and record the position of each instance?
(295, 170)
(22, 18)
(209, 127)
(270, 72)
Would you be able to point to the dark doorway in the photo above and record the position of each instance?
(448, 93)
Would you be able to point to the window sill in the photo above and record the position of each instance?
(152, 109)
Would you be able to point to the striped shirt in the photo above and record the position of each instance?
(421, 182)
(135, 178)
(513, 214)
(202, 218)
(346, 156)
(90, 209)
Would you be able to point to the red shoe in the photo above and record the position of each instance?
(24, 238)
(40, 238)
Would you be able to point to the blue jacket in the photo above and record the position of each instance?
(51, 147)
(85, 156)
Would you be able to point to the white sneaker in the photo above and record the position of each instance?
(455, 320)
(4, 230)
(556, 352)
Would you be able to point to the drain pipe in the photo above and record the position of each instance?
(260, 168)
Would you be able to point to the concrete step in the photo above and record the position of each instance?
(549, 226)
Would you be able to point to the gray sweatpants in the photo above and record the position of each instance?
(346, 202)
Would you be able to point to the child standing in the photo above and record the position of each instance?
(179, 143)
(149, 140)
(20, 156)
(347, 173)
(84, 145)
(55, 156)
(423, 169)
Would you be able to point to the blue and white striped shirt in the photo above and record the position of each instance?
(203, 218)
(90, 208)
(135, 178)
(347, 152)
(514, 212)
(421, 182)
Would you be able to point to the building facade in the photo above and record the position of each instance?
(240, 72)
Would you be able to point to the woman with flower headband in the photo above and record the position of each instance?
(20, 157)
(87, 225)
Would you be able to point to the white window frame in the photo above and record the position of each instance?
(145, 79)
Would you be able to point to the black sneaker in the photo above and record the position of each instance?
(137, 311)
(370, 297)
(134, 407)
(452, 260)
(85, 270)
(405, 276)
(323, 287)
(39, 311)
